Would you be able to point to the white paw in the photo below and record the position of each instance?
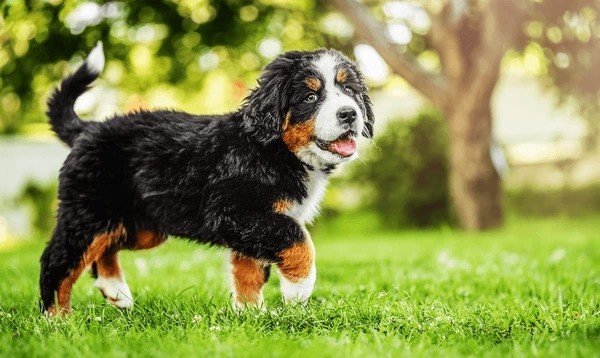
(299, 291)
(115, 290)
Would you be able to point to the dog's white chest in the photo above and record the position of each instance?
(306, 210)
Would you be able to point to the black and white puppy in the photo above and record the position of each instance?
(248, 180)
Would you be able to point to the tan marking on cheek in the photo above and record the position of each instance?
(98, 247)
(296, 136)
(146, 239)
(281, 206)
(296, 261)
(341, 76)
(248, 278)
(313, 83)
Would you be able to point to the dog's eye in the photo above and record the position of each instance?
(311, 97)
(349, 91)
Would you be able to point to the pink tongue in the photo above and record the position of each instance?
(343, 147)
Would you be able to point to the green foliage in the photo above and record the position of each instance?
(160, 52)
(565, 201)
(41, 201)
(528, 289)
(568, 32)
(407, 172)
(203, 55)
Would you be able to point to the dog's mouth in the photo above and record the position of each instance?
(344, 145)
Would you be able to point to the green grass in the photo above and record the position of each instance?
(532, 288)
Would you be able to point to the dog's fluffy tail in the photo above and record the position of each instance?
(63, 119)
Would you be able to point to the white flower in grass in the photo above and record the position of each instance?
(510, 259)
(445, 259)
(557, 255)
(197, 319)
(141, 265)
(185, 266)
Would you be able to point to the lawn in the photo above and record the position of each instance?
(531, 288)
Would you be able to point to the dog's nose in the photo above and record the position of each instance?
(346, 115)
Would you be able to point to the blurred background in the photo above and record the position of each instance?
(486, 110)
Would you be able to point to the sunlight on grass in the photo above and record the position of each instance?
(531, 288)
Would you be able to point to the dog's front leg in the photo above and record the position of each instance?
(298, 272)
(249, 275)
(260, 239)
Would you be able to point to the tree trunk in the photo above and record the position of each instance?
(471, 41)
(475, 185)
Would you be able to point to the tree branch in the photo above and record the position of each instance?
(374, 33)
(444, 38)
(502, 24)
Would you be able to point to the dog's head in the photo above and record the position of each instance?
(316, 103)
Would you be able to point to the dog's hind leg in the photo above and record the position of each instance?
(68, 253)
(110, 278)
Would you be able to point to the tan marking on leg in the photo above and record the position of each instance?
(296, 261)
(94, 251)
(299, 135)
(248, 279)
(281, 206)
(111, 280)
(108, 264)
(341, 76)
(148, 239)
(313, 83)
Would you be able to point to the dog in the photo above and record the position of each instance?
(248, 181)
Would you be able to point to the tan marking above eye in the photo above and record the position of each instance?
(341, 76)
(313, 83)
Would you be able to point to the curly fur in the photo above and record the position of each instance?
(209, 178)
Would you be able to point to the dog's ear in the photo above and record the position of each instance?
(368, 130)
(264, 109)
(369, 127)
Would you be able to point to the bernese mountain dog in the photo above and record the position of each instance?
(248, 181)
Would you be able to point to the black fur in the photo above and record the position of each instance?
(264, 111)
(63, 119)
(209, 178)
